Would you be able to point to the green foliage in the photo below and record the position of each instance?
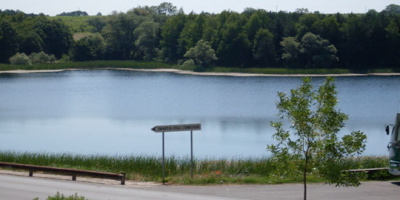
(169, 38)
(8, 41)
(98, 23)
(34, 58)
(20, 59)
(392, 9)
(90, 47)
(57, 39)
(188, 63)
(202, 54)
(318, 51)
(263, 48)
(253, 38)
(291, 49)
(41, 57)
(262, 170)
(59, 196)
(312, 49)
(74, 13)
(147, 39)
(233, 47)
(315, 122)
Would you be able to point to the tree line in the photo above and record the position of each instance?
(253, 38)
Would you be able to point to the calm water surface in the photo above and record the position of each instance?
(112, 112)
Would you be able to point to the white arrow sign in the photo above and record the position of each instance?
(175, 128)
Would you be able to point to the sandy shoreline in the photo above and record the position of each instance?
(177, 71)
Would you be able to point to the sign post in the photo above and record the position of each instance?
(176, 128)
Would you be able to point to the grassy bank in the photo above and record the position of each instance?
(161, 65)
(207, 171)
(88, 65)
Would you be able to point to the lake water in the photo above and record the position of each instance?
(112, 112)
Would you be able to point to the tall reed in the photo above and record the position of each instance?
(149, 168)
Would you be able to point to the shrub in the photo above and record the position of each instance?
(20, 59)
(188, 63)
(41, 57)
(59, 196)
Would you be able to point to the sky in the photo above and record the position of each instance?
(106, 7)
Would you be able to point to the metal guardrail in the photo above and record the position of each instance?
(370, 170)
(65, 171)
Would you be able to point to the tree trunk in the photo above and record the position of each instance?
(305, 181)
(305, 175)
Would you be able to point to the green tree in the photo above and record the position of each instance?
(393, 35)
(202, 54)
(147, 39)
(90, 47)
(305, 24)
(314, 142)
(165, 8)
(258, 20)
(57, 38)
(8, 41)
(263, 48)
(31, 42)
(376, 43)
(291, 50)
(191, 33)
(319, 52)
(98, 23)
(392, 9)
(355, 41)
(232, 44)
(169, 38)
(327, 28)
(120, 37)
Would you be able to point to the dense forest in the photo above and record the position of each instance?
(253, 38)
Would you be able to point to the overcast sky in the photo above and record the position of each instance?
(92, 7)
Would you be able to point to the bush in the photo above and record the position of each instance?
(20, 59)
(188, 63)
(41, 57)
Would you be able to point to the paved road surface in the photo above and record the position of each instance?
(24, 187)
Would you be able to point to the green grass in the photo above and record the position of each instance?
(130, 64)
(260, 170)
(280, 70)
(88, 65)
(76, 24)
(59, 196)
(158, 65)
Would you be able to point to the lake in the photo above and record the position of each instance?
(107, 112)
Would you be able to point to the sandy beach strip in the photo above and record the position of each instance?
(32, 71)
(183, 72)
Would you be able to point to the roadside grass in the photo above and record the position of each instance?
(260, 170)
(59, 196)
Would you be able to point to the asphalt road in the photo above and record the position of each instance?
(24, 187)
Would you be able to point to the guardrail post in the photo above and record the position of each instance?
(30, 172)
(74, 177)
(123, 178)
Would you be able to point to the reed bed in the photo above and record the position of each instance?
(261, 170)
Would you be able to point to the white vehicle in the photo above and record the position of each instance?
(394, 146)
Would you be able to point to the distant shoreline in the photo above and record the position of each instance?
(184, 72)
